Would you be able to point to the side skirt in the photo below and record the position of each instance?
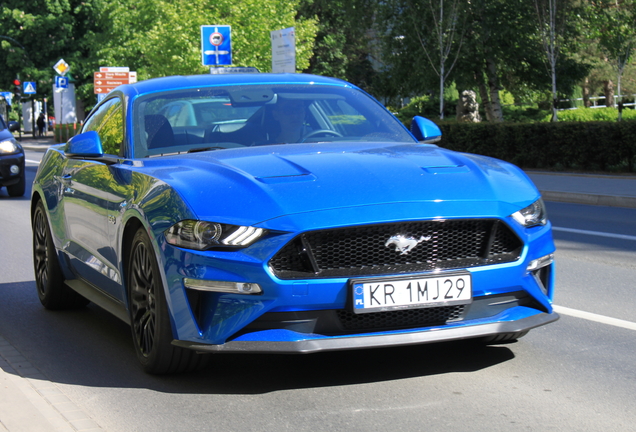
(100, 298)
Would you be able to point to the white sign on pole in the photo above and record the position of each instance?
(283, 50)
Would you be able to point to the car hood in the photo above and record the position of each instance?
(258, 184)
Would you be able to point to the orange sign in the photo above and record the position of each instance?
(103, 82)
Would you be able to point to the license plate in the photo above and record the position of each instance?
(376, 295)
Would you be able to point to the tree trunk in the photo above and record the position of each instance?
(441, 92)
(555, 99)
(586, 93)
(618, 89)
(609, 93)
(493, 86)
(485, 98)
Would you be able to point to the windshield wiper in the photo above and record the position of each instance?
(202, 149)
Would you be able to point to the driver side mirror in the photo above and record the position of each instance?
(87, 144)
(425, 131)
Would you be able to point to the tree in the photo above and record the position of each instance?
(426, 29)
(553, 17)
(162, 37)
(613, 22)
(37, 33)
(343, 42)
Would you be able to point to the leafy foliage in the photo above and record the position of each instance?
(152, 37)
(595, 114)
(343, 45)
(37, 33)
(161, 37)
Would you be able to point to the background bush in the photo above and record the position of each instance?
(586, 146)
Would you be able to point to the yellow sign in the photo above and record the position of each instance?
(61, 67)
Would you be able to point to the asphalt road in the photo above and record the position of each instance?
(578, 374)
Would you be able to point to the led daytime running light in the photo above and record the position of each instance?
(202, 235)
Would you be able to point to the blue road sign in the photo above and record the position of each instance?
(28, 87)
(61, 82)
(216, 45)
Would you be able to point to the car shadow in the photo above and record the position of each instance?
(99, 347)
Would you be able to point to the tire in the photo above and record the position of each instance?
(18, 189)
(52, 291)
(149, 318)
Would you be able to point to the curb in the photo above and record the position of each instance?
(589, 199)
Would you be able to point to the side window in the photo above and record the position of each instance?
(108, 122)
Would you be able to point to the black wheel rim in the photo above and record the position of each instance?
(40, 256)
(142, 293)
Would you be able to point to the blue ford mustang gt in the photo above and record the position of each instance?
(283, 213)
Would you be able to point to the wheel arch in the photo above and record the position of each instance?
(132, 225)
(35, 199)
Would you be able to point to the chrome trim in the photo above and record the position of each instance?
(222, 286)
(376, 341)
(404, 244)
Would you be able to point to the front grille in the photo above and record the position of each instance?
(361, 251)
(406, 318)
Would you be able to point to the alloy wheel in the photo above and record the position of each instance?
(143, 300)
(40, 255)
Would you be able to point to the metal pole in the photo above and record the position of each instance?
(33, 117)
(61, 107)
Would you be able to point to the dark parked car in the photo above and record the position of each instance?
(11, 160)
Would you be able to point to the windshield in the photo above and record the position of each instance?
(225, 117)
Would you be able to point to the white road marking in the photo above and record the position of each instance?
(595, 233)
(32, 161)
(595, 317)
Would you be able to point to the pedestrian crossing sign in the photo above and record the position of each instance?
(28, 87)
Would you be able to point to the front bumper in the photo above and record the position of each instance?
(507, 298)
(7, 178)
(298, 343)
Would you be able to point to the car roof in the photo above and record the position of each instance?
(195, 81)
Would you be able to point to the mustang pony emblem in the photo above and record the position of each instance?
(404, 244)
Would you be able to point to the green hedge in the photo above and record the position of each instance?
(580, 146)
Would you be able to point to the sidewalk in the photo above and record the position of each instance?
(29, 402)
(37, 143)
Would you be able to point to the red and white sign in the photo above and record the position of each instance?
(113, 69)
(216, 39)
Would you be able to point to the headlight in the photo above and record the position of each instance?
(200, 235)
(533, 215)
(9, 147)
